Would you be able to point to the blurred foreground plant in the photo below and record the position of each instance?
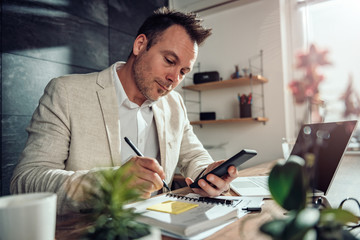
(289, 185)
(112, 220)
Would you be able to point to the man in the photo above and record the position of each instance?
(81, 120)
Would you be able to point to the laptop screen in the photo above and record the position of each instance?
(327, 141)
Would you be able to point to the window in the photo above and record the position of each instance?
(333, 25)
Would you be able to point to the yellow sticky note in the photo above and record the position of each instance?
(172, 207)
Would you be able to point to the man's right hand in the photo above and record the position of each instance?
(148, 175)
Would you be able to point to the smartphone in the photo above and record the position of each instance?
(222, 169)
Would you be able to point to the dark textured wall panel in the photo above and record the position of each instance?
(55, 36)
(96, 11)
(0, 84)
(92, 10)
(1, 159)
(24, 80)
(128, 15)
(49, 38)
(120, 46)
(13, 140)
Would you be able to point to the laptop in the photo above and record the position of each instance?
(332, 139)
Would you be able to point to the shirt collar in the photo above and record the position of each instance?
(123, 98)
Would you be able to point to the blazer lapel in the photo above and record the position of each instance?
(160, 120)
(109, 107)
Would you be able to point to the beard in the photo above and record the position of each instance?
(144, 81)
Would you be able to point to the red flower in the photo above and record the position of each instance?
(308, 87)
(312, 58)
(351, 100)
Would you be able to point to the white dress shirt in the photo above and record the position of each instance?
(137, 123)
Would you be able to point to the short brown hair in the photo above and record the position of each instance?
(164, 18)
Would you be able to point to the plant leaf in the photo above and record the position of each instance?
(274, 228)
(302, 223)
(340, 216)
(287, 183)
(113, 189)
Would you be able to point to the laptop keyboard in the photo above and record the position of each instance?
(261, 181)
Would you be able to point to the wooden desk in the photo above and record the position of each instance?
(345, 184)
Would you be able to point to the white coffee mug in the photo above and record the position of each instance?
(28, 216)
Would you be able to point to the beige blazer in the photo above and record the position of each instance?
(75, 129)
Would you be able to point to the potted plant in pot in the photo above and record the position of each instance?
(289, 184)
(112, 221)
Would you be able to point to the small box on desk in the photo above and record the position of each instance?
(207, 116)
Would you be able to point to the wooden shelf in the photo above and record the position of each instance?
(227, 83)
(258, 119)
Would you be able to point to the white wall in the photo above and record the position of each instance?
(238, 34)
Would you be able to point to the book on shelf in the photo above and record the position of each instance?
(185, 215)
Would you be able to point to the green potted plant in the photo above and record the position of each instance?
(289, 184)
(111, 220)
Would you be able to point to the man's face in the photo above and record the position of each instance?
(160, 69)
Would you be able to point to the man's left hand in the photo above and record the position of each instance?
(218, 185)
